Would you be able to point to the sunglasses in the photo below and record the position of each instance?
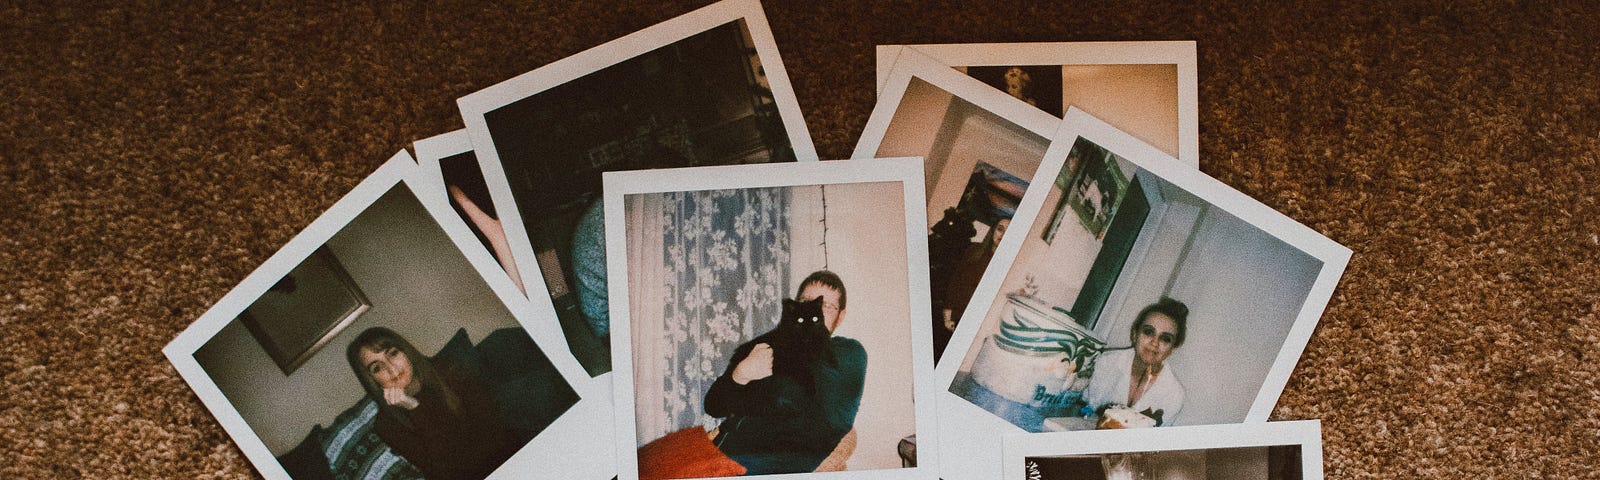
(1165, 337)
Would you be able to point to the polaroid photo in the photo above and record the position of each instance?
(1148, 89)
(979, 148)
(1133, 292)
(383, 341)
(767, 321)
(1265, 451)
(705, 88)
(450, 168)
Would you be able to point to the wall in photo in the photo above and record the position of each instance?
(865, 223)
(1139, 99)
(953, 136)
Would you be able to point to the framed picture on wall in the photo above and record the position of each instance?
(1095, 183)
(1097, 192)
(305, 309)
(991, 194)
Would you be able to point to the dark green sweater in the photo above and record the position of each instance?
(776, 425)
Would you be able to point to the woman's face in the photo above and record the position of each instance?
(389, 367)
(1156, 338)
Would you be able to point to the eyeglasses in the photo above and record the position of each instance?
(831, 307)
(1165, 337)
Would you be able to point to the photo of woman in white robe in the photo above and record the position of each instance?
(1136, 377)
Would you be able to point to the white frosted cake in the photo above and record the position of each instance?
(1019, 377)
(1123, 417)
(1033, 359)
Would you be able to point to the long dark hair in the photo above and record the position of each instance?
(381, 339)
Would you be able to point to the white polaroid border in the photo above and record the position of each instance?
(912, 64)
(969, 449)
(1305, 433)
(430, 151)
(574, 446)
(907, 171)
(474, 106)
(1180, 53)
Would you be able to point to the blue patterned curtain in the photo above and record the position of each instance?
(727, 262)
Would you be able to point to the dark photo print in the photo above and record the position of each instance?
(703, 100)
(1039, 85)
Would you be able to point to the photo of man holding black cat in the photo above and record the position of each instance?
(788, 427)
(742, 362)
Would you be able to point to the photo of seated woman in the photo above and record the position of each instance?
(385, 354)
(1132, 379)
(442, 419)
(770, 330)
(1132, 303)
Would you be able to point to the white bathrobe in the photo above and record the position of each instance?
(1113, 373)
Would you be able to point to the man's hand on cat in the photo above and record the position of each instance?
(756, 366)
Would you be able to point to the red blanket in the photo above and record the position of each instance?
(686, 453)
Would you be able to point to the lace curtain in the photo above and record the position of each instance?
(721, 280)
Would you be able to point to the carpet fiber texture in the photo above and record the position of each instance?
(154, 153)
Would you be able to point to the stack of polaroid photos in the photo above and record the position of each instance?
(631, 264)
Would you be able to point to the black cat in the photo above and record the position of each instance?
(800, 341)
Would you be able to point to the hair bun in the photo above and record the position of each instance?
(1174, 306)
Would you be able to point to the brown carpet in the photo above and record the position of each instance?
(153, 154)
